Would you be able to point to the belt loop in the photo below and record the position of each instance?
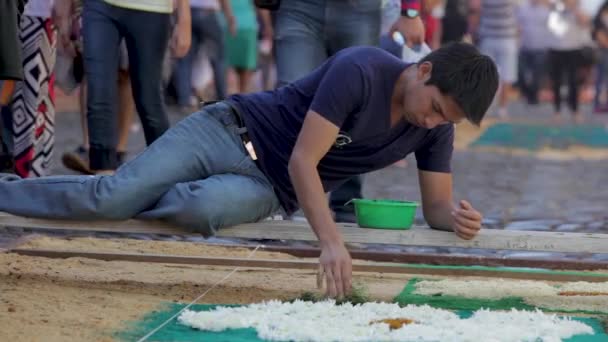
(241, 130)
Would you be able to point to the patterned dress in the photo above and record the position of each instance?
(32, 107)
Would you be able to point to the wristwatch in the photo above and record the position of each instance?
(410, 13)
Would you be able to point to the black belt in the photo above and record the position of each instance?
(238, 118)
(241, 130)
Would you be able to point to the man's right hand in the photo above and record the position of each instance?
(336, 265)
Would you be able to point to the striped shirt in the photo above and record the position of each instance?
(498, 19)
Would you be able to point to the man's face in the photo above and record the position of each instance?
(425, 106)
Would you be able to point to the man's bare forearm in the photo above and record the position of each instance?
(439, 216)
(312, 200)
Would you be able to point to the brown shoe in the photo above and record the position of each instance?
(77, 161)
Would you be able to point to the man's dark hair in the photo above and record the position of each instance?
(469, 77)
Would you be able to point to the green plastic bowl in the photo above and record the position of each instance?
(385, 214)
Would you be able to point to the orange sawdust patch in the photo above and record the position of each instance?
(394, 323)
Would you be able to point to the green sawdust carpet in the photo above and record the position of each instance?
(535, 137)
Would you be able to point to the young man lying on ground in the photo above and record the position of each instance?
(360, 111)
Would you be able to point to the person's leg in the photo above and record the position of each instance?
(352, 23)
(6, 123)
(507, 62)
(298, 39)
(213, 37)
(603, 100)
(204, 206)
(6, 146)
(147, 35)
(202, 145)
(101, 39)
(600, 100)
(524, 74)
(244, 76)
(599, 83)
(126, 111)
(82, 101)
(556, 63)
(491, 48)
(572, 68)
(78, 160)
(536, 72)
(182, 72)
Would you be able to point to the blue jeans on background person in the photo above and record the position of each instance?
(532, 67)
(307, 32)
(198, 175)
(146, 35)
(207, 30)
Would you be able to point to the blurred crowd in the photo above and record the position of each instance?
(125, 57)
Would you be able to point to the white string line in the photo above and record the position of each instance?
(197, 298)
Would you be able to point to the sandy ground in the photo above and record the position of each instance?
(87, 300)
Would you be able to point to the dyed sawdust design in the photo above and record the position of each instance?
(545, 141)
(499, 294)
(175, 331)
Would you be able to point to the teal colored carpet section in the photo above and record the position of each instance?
(535, 137)
(175, 332)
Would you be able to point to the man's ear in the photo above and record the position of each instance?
(424, 70)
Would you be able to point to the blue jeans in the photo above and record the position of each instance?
(146, 35)
(198, 175)
(307, 32)
(206, 29)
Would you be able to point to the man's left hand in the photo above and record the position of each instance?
(467, 221)
(412, 30)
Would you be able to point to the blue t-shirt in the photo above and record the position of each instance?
(353, 90)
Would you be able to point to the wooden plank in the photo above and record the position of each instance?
(290, 230)
(311, 265)
(128, 226)
(15, 242)
(422, 236)
(443, 259)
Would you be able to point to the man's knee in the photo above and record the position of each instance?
(187, 209)
(112, 202)
(197, 217)
(113, 209)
